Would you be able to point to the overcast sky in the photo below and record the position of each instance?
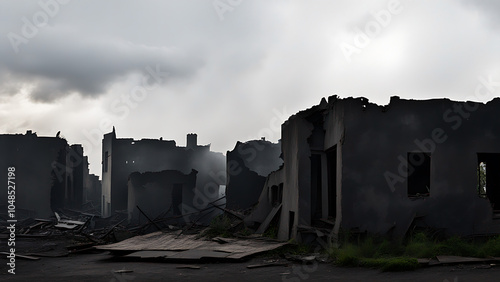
(229, 70)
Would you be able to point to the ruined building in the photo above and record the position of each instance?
(49, 173)
(386, 169)
(160, 193)
(122, 158)
(248, 165)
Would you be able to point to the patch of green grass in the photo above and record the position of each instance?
(490, 248)
(219, 227)
(271, 232)
(399, 256)
(391, 264)
(245, 232)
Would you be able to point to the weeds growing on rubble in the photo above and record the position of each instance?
(402, 255)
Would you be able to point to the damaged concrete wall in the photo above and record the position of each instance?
(296, 182)
(44, 173)
(121, 157)
(162, 193)
(381, 169)
(376, 169)
(272, 195)
(248, 165)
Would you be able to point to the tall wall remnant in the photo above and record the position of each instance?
(382, 169)
(121, 157)
(49, 174)
(248, 165)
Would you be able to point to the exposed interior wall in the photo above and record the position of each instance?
(266, 199)
(296, 170)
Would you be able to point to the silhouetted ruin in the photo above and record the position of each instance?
(122, 157)
(50, 174)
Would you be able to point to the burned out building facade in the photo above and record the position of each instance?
(385, 169)
(49, 173)
(124, 156)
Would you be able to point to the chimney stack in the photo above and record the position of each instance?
(192, 141)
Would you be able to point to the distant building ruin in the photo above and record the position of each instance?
(355, 165)
(49, 173)
(163, 194)
(123, 157)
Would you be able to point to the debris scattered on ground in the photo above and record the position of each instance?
(123, 271)
(268, 264)
(172, 246)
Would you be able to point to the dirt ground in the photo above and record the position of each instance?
(102, 266)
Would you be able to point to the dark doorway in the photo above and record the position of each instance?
(419, 174)
(331, 160)
(316, 195)
(177, 199)
(489, 178)
(291, 221)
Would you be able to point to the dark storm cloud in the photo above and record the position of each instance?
(63, 63)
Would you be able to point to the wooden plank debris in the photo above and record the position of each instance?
(21, 256)
(263, 227)
(171, 246)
